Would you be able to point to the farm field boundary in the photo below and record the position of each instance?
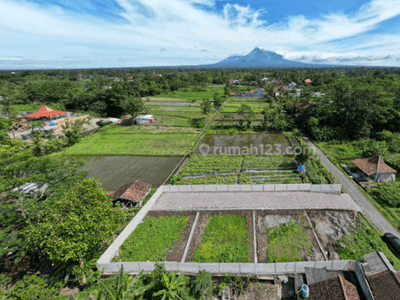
(231, 268)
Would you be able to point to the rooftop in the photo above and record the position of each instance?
(373, 165)
(134, 191)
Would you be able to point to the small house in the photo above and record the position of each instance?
(253, 83)
(132, 194)
(307, 81)
(375, 168)
(145, 119)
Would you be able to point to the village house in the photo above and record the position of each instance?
(375, 168)
(132, 194)
(253, 83)
(253, 93)
(106, 87)
(307, 81)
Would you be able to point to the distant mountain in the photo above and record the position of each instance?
(258, 58)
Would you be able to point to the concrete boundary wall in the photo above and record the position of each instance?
(112, 250)
(232, 268)
(304, 187)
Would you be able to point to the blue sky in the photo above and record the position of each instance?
(133, 33)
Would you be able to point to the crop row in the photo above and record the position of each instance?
(200, 165)
(246, 178)
(270, 162)
(271, 177)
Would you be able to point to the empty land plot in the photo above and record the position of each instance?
(153, 239)
(116, 171)
(226, 239)
(119, 141)
(176, 116)
(288, 242)
(211, 164)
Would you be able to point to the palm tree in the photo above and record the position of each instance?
(172, 286)
(121, 287)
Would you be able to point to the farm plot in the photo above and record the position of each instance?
(245, 144)
(226, 238)
(124, 141)
(218, 179)
(116, 171)
(288, 242)
(266, 221)
(211, 165)
(176, 116)
(270, 178)
(153, 239)
(270, 162)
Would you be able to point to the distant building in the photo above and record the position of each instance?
(106, 87)
(302, 105)
(145, 119)
(45, 112)
(253, 83)
(307, 81)
(114, 78)
(253, 93)
(132, 194)
(375, 168)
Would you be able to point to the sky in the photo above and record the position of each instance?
(46, 34)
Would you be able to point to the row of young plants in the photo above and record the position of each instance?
(222, 179)
(199, 165)
(268, 162)
(284, 177)
(313, 174)
(211, 164)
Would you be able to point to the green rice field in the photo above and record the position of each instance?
(116, 171)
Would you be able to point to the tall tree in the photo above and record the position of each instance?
(74, 226)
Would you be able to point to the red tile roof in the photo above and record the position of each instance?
(45, 111)
(334, 289)
(278, 86)
(302, 104)
(134, 191)
(308, 80)
(385, 285)
(373, 165)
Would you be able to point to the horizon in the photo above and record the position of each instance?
(56, 34)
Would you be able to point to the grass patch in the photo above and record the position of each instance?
(287, 243)
(121, 141)
(367, 239)
(191, 94)
(152, 238)
(226, 239)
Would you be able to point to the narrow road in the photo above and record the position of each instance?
(349, 186)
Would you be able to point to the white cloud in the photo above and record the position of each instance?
(38, 32)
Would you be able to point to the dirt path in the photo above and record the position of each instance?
(350, 187)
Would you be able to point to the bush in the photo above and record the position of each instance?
(387, 194)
